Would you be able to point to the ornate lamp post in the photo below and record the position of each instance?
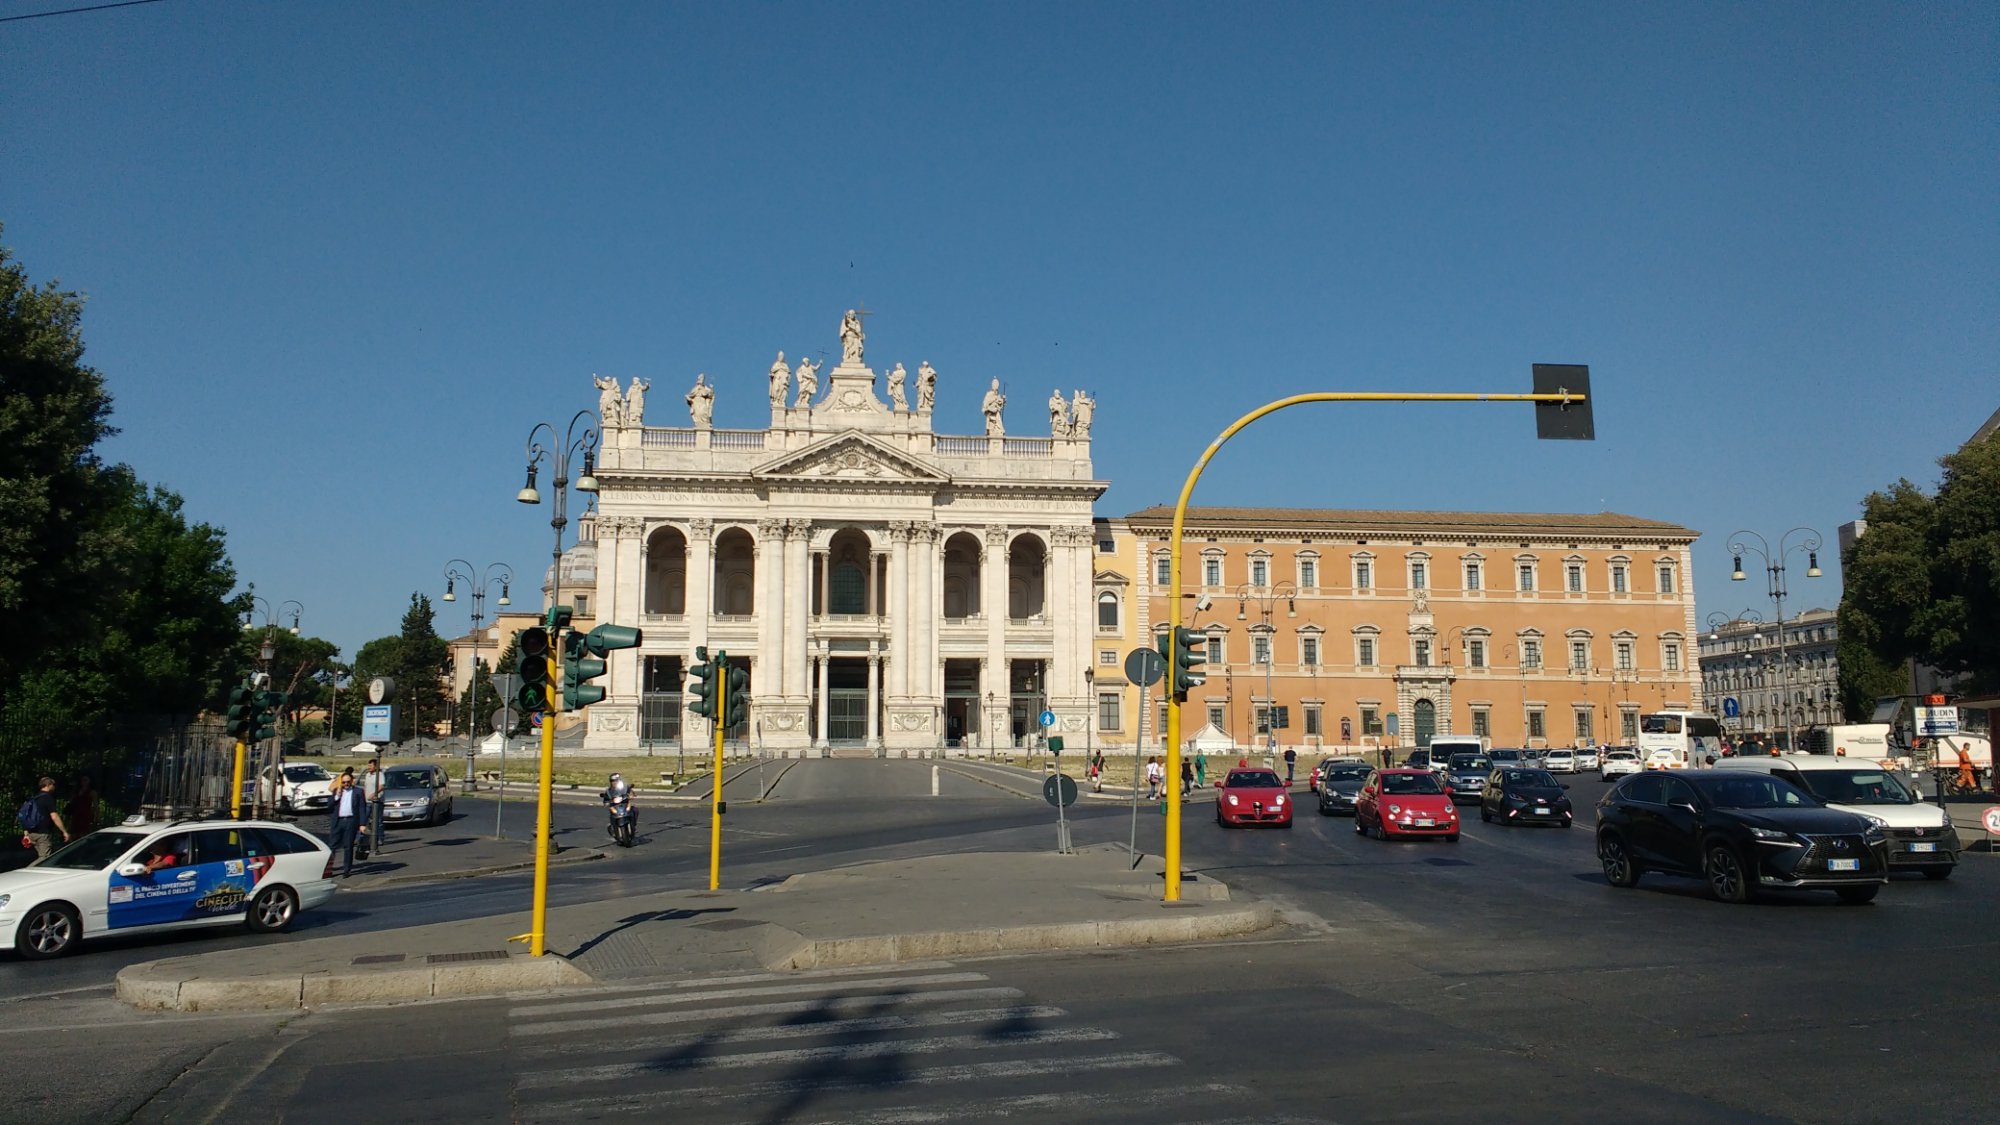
(453, 576)
(267, 652)
(1774, 569)
(1266, 599)
(559, 453)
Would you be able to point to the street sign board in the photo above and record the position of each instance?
(1730, 708)
(1059, 790)
(1144, 666)
(1933, 722)
(1048, 718)
(1393, 723)
(507, 684)
(1991, 817)
(377, 722)
(505, 719)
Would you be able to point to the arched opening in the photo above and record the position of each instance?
(735, 573)
(1027, 583)
(1426, 722)
(961, 576)
(849, 560)
(1107, 612)
(666, 572)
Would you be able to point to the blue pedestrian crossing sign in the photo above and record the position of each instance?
(1048, 718)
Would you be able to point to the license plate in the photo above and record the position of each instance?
(1425, 824)
(1843, 865)
(1923, 847)
(1541, 812)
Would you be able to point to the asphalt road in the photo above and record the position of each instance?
(1498, 978)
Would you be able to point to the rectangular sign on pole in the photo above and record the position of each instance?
(378, 722)
(1934, 722)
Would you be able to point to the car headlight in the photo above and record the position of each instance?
(1771, 834)
(1232, 798)
(1875, 826)
(1395, 808)
(5, 899)
(421, 801)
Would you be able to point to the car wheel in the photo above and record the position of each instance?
(49, 930)
(1726, 876)
(272, 910)
(1619, 870)
(1856, 896)
(1484, 815)
(1360, 829)
(1937, 872)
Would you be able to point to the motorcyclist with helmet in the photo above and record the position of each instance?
(617, 799)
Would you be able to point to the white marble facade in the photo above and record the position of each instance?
(888, 587)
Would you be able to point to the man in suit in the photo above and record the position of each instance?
(349, 812)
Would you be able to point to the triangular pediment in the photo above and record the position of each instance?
(850, 456)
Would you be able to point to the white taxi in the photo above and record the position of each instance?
(1617, 763)
(151, 877)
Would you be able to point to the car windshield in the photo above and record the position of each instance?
(1756, 791)
(1253, 779)
(1347, 773)
(1466, 763)
(1621, 755)
(407, 779)
(310, 772)
(1506, 755)
(1410, 783)
(94, 852)
(1557, 754)
(1856, 787)
(1529, 779)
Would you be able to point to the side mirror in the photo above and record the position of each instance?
(131, 870)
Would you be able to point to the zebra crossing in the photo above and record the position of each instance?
(906, 1044)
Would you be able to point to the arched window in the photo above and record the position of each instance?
(1107, 611)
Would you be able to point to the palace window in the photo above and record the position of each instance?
(1482, 722)
(1472, 576)
(1618, 581)
(1524, 577)
(1671, 656)
(1163, 571)
(1364, 652)
(1573, 574)
(1364, 575)
(1531, 654)
(1666, 578)
(1419, 575)
(1371, 721)
(1260, 572)
(1309, 651)
(1422, 651)
(1475, 653)
(1312, 720)
(1107, 612)
(1211, 571)
(1308, 573)
(1107, 711)
(1579, 655)
(1623, 655)
(1536, 728)
(1260, 649)
(1583, 728)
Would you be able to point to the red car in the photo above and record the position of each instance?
(1405, 802)
(1253, 796)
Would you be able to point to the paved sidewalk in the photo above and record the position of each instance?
(876, 913)
(429, 854)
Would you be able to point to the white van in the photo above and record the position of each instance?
(1921, 836)
(1443, 746)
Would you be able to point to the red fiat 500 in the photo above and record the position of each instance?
(1405, 803)
(1253, 797)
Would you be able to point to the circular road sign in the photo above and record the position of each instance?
(1144, 667)
(504, 719)
(1048, 718)
(1992, 819)
(1060, 790)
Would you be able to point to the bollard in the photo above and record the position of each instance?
(934, 781)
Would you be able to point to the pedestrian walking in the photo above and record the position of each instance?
(40, 821)
(1187, 777)
(371, 791)
(1156, 777)
(1291, 763)
(1200, 770)
(348, 810)
(1096, 774)
(80, 814)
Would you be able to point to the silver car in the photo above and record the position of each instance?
(415, 795)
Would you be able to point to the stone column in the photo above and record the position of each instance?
(993, 602)
(823, 659)
(901, 608)
(767, 679)
(798, 583)
(874, 696)
(700, 577)
(924, 670)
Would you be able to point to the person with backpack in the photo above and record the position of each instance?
(39, 819)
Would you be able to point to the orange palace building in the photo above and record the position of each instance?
(1531, 630)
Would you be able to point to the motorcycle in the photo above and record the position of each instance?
(624, 818)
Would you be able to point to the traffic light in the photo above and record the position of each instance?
(242, 712)
(1188, 654)
(534, 669)
(582, 661)
(269, 703)
(736, 707)
(701, 684)
(557, 618)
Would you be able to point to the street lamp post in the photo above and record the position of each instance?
(1266, 598)
(559, 454)
(267, 654)
(1774, 569)
(453, 576)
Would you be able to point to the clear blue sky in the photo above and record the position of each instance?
(342, 256)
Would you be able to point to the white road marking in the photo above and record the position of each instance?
(846, 1052)
(651, 1101)
(531, 1010)
(831, 1005)
(810, 1030)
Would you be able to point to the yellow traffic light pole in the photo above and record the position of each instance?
(537, 937)
(236, 785)
(721, 680)
(1173, 848)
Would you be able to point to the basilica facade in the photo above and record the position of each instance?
(885, 586)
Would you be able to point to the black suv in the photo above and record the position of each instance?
(1740, 831)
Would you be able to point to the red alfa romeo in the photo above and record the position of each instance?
(1253, 796)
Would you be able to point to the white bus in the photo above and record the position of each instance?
(1678, 739)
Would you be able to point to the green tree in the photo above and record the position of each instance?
(421, 658)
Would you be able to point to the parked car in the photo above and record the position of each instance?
(1339, 784)
(1921, 836)
(1466, 775)
(1743, 832)
(1253, 796)
(1405, 802)
(306, 788)
(1519, 796)
(1618, 763)
(1586, 759)
(154, 877)
(415, 793)
(1504, 756)
(1559, 761)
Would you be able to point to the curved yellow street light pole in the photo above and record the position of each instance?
(1562, 398)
